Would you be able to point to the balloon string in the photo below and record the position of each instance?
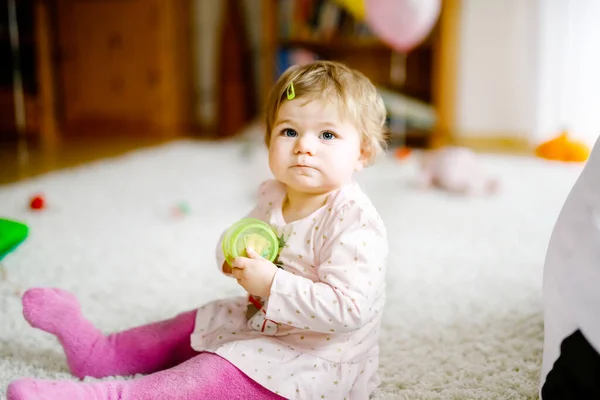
(398, 68)
(398, 79)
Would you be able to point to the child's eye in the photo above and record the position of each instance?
(327, 135)
(289, 132)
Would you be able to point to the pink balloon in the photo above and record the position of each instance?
(402, 24)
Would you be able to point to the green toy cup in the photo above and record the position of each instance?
(250, 232)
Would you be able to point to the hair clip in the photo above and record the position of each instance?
(291, 93)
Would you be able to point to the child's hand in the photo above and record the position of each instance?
(254, 273)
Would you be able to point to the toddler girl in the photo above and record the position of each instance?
(316, 333)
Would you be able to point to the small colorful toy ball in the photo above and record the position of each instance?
(181, 209)
(250, 233)
(37, 202)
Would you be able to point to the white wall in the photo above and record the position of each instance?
(529, 68)
(495, 89)
(568, 90)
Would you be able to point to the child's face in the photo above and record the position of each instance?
(312, 150)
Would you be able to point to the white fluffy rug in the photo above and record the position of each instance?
(463, 319)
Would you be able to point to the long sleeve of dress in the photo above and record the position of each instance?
(351, 285)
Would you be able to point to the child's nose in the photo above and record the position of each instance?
(305, 145)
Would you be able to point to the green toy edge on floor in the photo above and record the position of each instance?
(12, 234)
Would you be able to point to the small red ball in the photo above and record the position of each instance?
(37, 203)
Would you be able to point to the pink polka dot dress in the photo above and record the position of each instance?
(317, 334)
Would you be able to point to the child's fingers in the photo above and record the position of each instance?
(226, 268)
(253, 254)
(237, 273)
(239, 262)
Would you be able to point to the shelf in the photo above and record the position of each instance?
(336, 44)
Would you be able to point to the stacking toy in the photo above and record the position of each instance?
(253, 233)
(12, 233)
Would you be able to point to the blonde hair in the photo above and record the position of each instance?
(356, 95)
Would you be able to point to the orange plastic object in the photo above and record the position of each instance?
(563, 148)
(402, 152)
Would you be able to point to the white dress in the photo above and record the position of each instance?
(326, 303)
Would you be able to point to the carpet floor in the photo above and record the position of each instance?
(464, 311)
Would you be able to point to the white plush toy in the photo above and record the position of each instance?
(457, 170)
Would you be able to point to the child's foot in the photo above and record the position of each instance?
(21, 389)
(25, 389)
(89, 352)
(51, 310)
(58, 312)
(38, 389)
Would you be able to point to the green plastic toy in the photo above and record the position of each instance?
(253, 233)
(12, 234)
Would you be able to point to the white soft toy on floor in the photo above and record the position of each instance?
(457, 170)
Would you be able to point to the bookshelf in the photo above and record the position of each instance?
(323, 28)
(334, 44)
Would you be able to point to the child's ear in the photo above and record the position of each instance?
(363, 159)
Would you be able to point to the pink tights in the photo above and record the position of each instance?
(160, 350)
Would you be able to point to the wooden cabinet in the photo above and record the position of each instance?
(124, 65)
